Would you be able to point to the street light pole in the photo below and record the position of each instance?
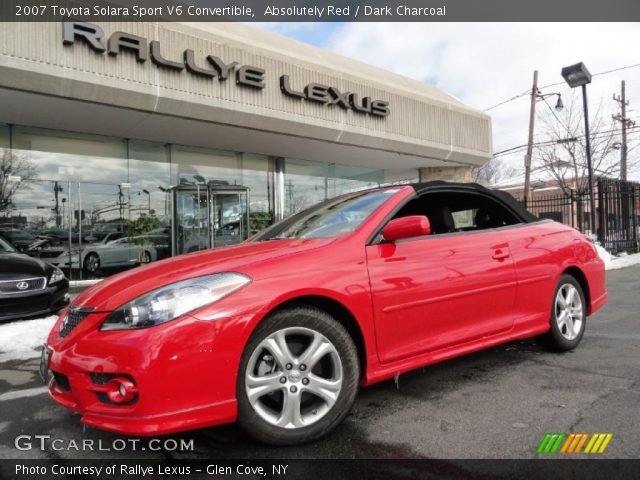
(579, 76)
(592, 201)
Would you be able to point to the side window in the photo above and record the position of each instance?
(450, 212)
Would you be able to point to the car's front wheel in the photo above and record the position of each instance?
(92, 263)
(568, 316)
(298, 377)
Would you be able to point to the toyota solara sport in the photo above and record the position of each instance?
(279, 332)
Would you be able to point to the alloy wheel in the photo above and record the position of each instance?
(92, 263)
(294, 377)
(569, 311)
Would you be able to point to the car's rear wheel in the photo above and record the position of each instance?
(92, 263)
(568, 316)
(298, 377)
(146, 257)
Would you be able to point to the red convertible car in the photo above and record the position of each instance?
(278, 333)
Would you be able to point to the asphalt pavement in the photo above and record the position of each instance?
(497, 403)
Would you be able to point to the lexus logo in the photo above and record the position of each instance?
(22, 285)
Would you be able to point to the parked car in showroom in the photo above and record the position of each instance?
(20, 239)
(113, 251)
(123, 252)
(279, 332)
(29, 286)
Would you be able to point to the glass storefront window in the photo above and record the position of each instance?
(6, 169)
(199, 166)
(344, 179)
(75, 157)
(308, 182)
(258, 177)
(150, 178)
(305, 184)
(94, 205)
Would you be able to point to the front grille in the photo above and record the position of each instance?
(62, 381)
(8, 287)
(13, 305)
(50, 254)
(102, 378)
(72, 319)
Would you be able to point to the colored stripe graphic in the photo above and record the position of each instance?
(554, 442)
(550, 442)
(598, 442)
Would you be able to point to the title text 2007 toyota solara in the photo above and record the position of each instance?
(279, 332)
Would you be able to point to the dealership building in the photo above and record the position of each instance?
(207, 132)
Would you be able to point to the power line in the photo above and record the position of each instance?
(528, 92)
(507, 101)
(635, 129)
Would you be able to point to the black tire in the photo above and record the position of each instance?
(321, 322)
(556, 338)
(91, 263)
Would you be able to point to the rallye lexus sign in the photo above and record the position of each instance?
(211, 66)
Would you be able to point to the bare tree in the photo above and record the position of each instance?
(13, 165)
(493, 172)
(564, 156)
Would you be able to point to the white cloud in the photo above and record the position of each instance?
(486, 63)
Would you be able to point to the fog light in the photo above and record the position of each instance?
(121, 390)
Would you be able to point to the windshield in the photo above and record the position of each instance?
(5, 247)
(18, 235)
(328, 219)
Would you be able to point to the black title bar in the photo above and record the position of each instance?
(323, 11)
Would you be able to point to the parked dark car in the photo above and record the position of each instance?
(21, 240)
(29, 286)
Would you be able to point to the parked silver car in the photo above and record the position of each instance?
(113, 251)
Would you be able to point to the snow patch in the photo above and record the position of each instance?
(604, 255)
(612, 262)
(624, 261)
(23, 339)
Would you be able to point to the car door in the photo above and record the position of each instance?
(116, 253)
(437, 291)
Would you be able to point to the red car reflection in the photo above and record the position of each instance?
(278, 333)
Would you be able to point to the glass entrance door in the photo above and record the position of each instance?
(191, 220)
(229, 217)
(208, 217)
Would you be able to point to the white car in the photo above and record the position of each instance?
(126, 251)
(113, 251)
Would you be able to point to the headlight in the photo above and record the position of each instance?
(174, 300)
(56, 276)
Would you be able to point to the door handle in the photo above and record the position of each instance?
(500, 254)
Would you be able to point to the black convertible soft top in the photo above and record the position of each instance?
(500, 196)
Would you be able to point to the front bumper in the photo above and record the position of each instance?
(34, 303)
(184, 371)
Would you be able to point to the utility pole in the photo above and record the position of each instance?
(624, 193)
(528, 155)
(626, 122)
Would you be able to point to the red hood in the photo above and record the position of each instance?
(119, 289)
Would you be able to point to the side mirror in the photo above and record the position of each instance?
(406, 227)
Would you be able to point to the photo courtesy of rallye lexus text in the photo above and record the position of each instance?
(279, 332)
